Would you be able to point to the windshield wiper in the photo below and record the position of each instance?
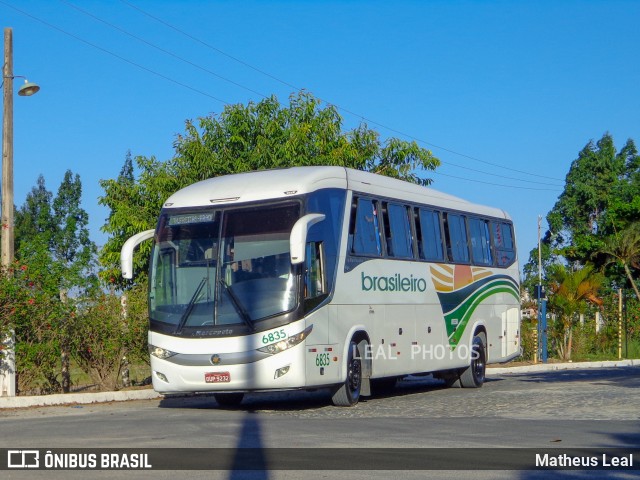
(190, 305)
(237, 304)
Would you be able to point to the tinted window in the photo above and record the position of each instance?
(366, 236)
(457, 246)
(430, 235)
(503, 242)
(398, 231)
(330, 202)
(480, 241)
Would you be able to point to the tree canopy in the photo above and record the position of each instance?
(52, 236)
(595, 217)
(601, 196)
(242, 138)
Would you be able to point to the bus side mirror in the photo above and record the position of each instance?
(126, 253)
(298, 240)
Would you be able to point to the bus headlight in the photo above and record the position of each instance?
(160, 352)
(287, 343)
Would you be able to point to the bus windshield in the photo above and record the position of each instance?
(222, 267)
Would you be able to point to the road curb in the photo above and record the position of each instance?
(548, 367)
(149, 394)
(77, 398)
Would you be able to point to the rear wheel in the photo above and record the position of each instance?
(473, 376)
(348, 393)
(228, 399)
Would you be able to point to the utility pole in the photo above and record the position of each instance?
(7, 154)
(8, 363)
(542, 303)
(7, 234)
(620, 324)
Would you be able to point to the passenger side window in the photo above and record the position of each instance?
(456, 238)
(365, 239)
(503, 243)
(429, 235)
(398, 231)
(315, 281)
(480, 241)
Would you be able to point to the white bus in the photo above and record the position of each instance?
(312, 277)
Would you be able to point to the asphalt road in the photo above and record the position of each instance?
(561, 410)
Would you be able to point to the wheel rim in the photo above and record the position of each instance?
(354, 377)
(479, 363)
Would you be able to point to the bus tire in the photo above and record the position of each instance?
(348, 393)
(473, 376)
(228, 399)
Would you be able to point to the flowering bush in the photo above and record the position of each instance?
(96, 328)
(34, 316)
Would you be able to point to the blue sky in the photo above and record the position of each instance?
(505, 93)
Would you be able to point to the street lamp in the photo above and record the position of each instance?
(7, 373)
(28, 89)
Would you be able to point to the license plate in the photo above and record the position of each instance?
(217, 377)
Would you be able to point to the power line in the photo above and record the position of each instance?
(498, 184)
(283, 82)
(119, 57)
(221, 52)
(506, 177)
(167, 52)
(258, 93)
(173, 55)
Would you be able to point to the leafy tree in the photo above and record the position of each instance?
(34, 229)
(73, 251)
(623, 249)
(571, 292)
(34, 218)
(248, 137)
(600, 196)
(71, 246)
(52, 237)
(34, 315)
(127, 204)
(99, 347)
(53, 242)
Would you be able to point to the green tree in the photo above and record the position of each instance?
(242, 138)
(571, 292)
(33, 314)
(53, 243)
(73, 252)
(52, 237)
(623, 249)
(128, 215)
(71, 246)
(34, 230)
(598, 198)
(34, 218)
(601, 197)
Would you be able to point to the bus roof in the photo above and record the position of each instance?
(287, 182)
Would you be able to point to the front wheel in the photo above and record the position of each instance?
(473, 376)
(348, 393)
